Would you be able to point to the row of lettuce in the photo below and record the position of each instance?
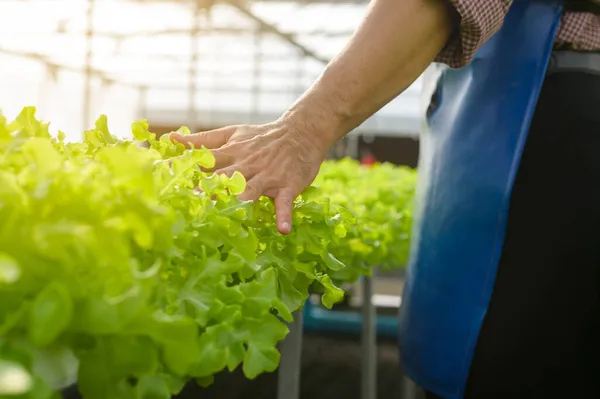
(117, 272)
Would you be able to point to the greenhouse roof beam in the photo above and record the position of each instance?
(44, 60)
(270, 1)
(113, 80)
(224, 30)
(273, 29)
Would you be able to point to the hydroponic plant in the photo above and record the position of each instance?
(132, 271)
(116, 268)
(381, 199)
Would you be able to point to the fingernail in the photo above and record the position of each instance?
(285, 226)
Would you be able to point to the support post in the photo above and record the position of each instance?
(288, 384)
(193, 73)
(300, 72)
(353, 145)
(368, 343)
(89, 48)
(409, 389)
(142, 102)
(257, 71)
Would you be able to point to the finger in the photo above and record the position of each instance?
(209, 139)
(229, 171)
(246, 171)
(284, 201)
(254, 189)
(223, 160)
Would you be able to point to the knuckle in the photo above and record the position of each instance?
(234, 147)
(249, 190)
(248, 170)
(253, 185)
(225, 171)
(276, 181)
(252, 192)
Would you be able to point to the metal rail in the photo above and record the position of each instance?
(193, 72)
(288, 383)
(368, 384)
(241, 7)
(89, 49)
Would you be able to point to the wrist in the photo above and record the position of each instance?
(321, 119)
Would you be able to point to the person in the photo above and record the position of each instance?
(501, 298)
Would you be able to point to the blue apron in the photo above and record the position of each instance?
(470, 153)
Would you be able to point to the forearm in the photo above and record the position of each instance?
(394, 44)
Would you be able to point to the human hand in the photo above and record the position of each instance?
(278, 160)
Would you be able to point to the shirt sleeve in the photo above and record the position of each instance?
(479, 20)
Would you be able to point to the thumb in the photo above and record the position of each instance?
(210, 139)
(284, 201)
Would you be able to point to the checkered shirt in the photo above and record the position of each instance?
(480, 19)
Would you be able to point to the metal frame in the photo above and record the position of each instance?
(368, 383)
(146, 89)
(199, 7)
(288, 383)
(87, 87)
(313, 317)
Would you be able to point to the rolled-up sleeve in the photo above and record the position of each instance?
(479, 20)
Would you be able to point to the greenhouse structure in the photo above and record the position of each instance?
(207, 64)
(207, 199)
(178, 62)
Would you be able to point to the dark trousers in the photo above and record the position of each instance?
(541, 335)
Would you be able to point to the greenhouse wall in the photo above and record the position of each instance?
(145, 59)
